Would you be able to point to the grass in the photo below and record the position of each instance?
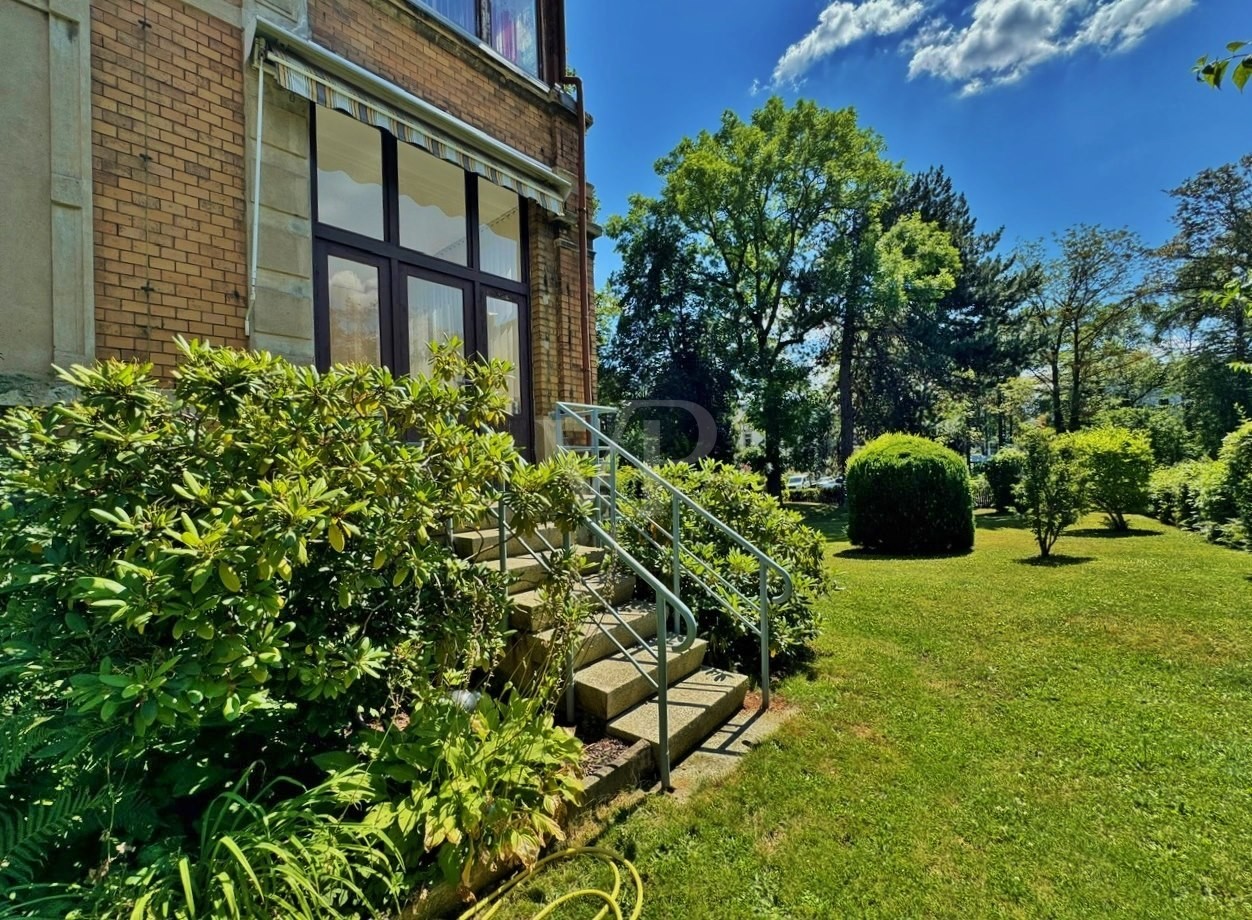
(982, 737)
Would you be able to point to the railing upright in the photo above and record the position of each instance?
(764, 638)
(662, 690)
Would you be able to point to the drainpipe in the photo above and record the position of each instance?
(583, 255)
(256, 192)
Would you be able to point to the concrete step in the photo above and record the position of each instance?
(698, 706)
(639, 621)
(527, 571)
(484, 545)
(612, 685)
(528, 615)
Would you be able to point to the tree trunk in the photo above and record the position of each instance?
(1075, 389)
(847, 415)
(773, 456)
(1058, 415)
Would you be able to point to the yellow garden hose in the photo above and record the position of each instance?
(488, 906)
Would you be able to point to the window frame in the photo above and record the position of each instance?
(397, 262)
(484, 11)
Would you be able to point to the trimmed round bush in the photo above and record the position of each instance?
(1003, 472)
(909, 495)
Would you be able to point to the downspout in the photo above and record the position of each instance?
(583, 255)
(256, 192)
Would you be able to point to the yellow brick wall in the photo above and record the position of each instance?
(171, 230)
(168, 178)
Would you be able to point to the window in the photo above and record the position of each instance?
(411, 250)
(511, 27)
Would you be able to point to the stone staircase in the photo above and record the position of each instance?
(609, 686)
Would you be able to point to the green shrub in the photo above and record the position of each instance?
(1050, 493)
(1114, 465)
(980, 489)
(1197, 494)
(740, 500)
(909, 495)
(1173, 492)
(1236, 453)
(1003, 472)
(1164, 427)
(473, 783)
(252, 566)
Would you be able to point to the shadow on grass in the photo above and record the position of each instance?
(1108, 533)
(1001, 522)
(857, 552)
(829, 521)
(1055, 561)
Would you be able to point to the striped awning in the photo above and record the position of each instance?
(307, 80)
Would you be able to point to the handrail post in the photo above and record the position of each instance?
(595, 453)
(764, 639)
(676, 523)
(613, 491)
(662, 692)
(570, 699)
(503, 536)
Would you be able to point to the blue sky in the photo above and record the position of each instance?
(1046, 113)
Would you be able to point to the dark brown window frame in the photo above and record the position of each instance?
(396, 263)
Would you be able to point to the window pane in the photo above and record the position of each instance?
(432, 205)
(436, 314)
(504, 342)
(460, 12)
(349, 174)
(500, 230)
(513, 33)
(354, 335)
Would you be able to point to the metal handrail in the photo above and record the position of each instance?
(667, 602)
(601, 443)
(567, 409)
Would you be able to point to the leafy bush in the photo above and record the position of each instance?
(1003, 471)
(740, 500)
(1174, 492)
(909, 495)
(1197, 494)
(1237, 455)
(1050, 493)
(1164, 427)
(252, 567)
(980, 489)
(1114, 465)
(480, 783)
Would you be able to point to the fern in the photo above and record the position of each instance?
(27, 839)
(20, 737)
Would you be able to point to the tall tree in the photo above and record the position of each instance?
(1209, 270)
(1085, 315)
(665, 345)
(963, 348)
(765, 206)
(891, 277)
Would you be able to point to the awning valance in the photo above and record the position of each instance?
(515, 171)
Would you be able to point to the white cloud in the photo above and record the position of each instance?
(1122, 24)
(1000, 43)
(841, 24)
(1005, 39)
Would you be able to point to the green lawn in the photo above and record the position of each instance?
(985, 737)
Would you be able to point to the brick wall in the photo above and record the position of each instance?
(170, 255)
